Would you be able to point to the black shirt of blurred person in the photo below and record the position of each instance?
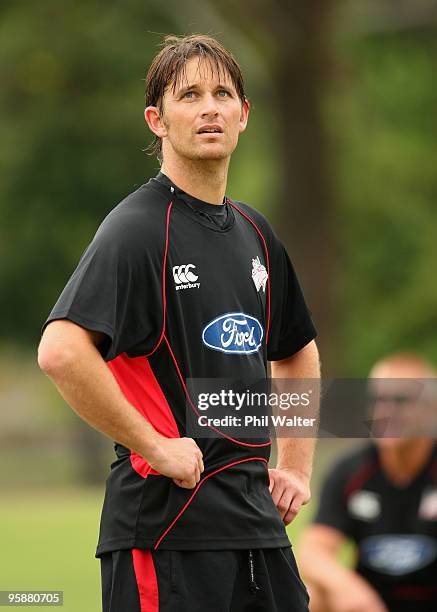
(394, 528)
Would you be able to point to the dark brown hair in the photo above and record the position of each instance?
(168, 69)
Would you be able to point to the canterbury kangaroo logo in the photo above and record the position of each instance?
(184, 277)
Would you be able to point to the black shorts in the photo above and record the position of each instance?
(264, 580)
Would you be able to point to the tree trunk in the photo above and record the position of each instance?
(306, 210)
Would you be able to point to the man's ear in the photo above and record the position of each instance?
(154, 120)
(244, 115)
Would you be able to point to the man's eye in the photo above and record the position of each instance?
(189, 94)
(223, 93)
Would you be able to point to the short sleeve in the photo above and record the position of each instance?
(332, 510)
(115, 289)
(291, 326)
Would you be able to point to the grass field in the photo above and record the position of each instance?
(48, 542)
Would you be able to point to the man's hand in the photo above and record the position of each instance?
(290, 490)
(179, 459)
(354, 595)
(332, 586)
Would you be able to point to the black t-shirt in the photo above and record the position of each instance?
(394, 528)
(162, 281)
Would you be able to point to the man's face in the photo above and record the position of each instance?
(402, 404)
(204, 116)
(396, 405)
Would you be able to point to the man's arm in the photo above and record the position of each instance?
(333, 587)
(68, 354)
(290, 481)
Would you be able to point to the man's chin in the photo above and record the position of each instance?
(210, 151)
(211, 154)
(393, 441)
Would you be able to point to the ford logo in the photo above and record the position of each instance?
(398, 554)
(234, 332)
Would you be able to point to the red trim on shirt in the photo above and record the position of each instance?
(140, 387)
(199, 484)
(147, 583)
(415, 592)
(267, 262)
(359, 478)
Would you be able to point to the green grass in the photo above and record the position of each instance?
(346, 554)
(48, 542)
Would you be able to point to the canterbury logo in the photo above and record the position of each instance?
(184, 277)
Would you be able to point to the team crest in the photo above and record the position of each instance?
(428, 505)
(259, 274)
(364, 505)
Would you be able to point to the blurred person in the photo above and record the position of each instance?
(383, 497)
(178, 282)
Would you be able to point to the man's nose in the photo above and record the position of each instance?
(209, 106)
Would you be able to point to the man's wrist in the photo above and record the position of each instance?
(303, 474)
(151, 448)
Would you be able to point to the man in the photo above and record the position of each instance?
(164, 293)
(384, 498)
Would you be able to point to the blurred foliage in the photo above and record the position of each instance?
(72, 139)
(383, 124)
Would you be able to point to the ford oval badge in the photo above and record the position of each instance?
(234, 332)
